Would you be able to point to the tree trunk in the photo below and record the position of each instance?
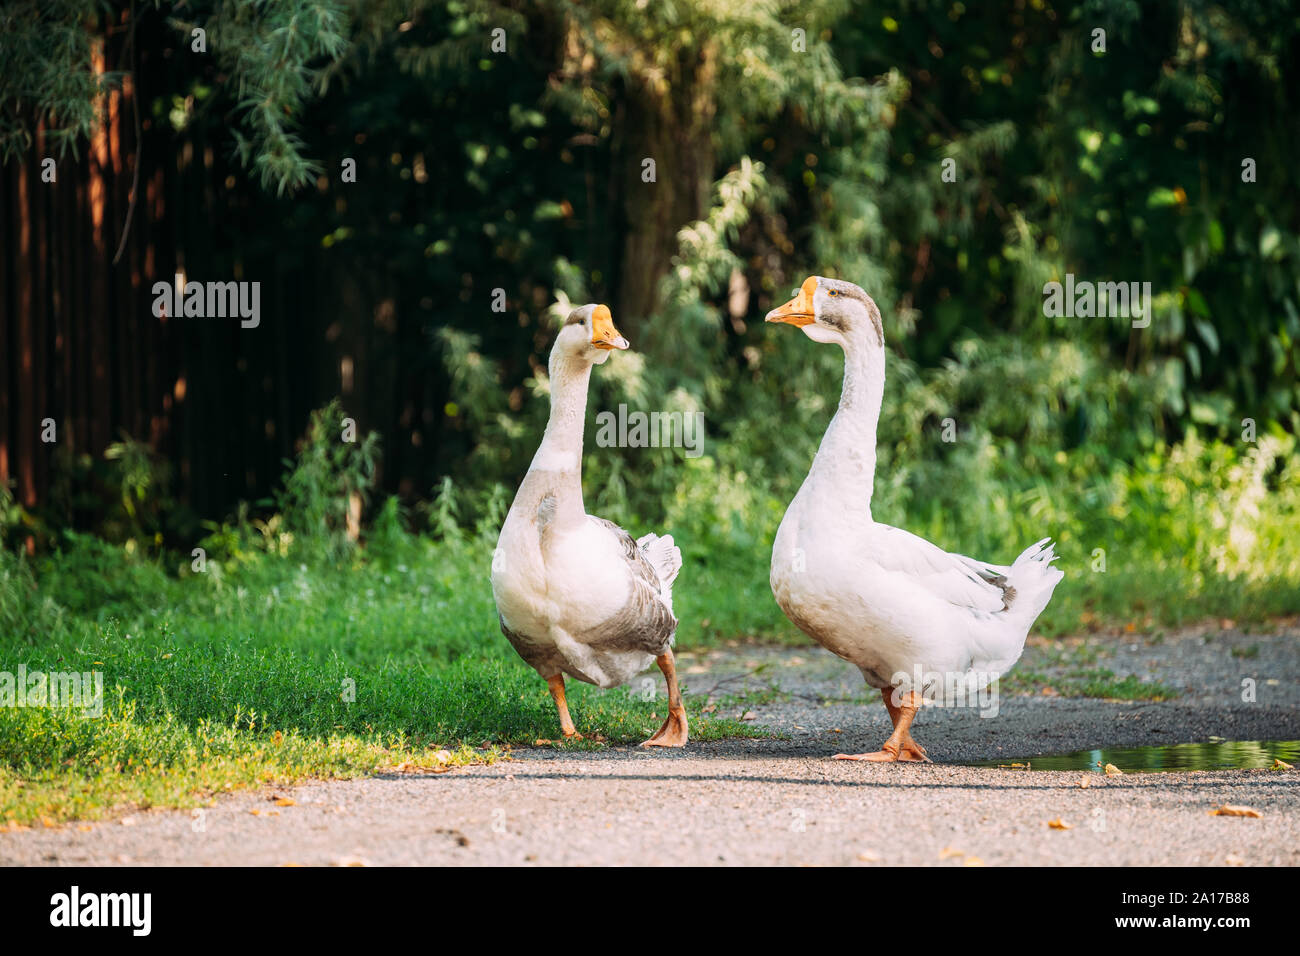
(668, 119)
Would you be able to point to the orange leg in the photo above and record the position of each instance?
(674, 732)
(911, 749)
(556, 684)
(900, 745)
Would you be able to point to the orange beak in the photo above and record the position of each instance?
(799, 310)
(603, 333)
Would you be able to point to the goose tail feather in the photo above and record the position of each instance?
(1034, 579)
(663, 554)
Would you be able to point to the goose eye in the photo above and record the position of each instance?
(831, 292)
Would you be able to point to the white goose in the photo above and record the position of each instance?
(920, 623)
(575, 594)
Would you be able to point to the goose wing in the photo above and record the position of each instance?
(954, 578)
(646, 622)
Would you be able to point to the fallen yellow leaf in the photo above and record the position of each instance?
(1228, 810)
(1083, 783)
(286, 802)
(1059, 824)
(972, 861)
(1112, 770)
(1281, 765)
(948, 853)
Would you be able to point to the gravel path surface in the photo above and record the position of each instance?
(781, 801)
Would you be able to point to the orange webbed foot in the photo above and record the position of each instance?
(887, 754)
(673, 733)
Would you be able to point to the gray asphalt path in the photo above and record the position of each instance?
(782, 801)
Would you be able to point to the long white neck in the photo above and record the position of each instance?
(561, 447)
(556, 470)
(845, 466)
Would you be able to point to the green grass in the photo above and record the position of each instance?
(1095, 682)
(266, 671)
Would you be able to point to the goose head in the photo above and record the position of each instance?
(832, 310)
(589, 335)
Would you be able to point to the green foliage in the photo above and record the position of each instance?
(825, 152)
(47, 74)
(326, 487)
(142, 480)
(279, 56)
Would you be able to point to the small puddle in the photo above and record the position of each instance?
(1215, 755)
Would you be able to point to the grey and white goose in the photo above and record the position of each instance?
(575, 593)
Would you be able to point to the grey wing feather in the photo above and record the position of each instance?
(645, 622)
(640, 565)
(993, 574)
